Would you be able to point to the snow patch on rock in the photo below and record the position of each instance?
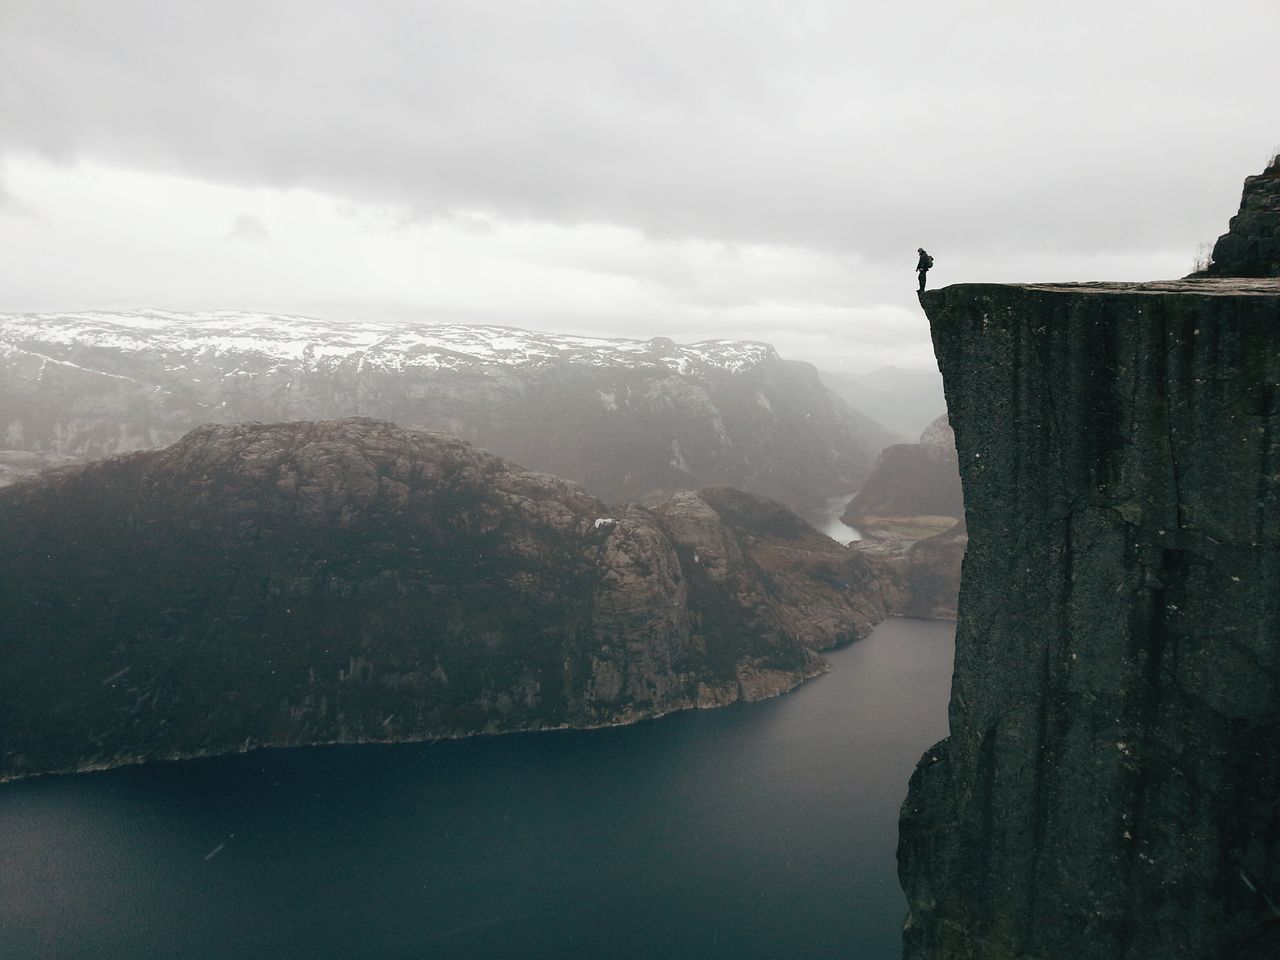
(311, 343)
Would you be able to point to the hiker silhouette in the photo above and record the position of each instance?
(923, 265)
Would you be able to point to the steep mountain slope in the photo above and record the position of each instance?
(350, 580)
(629, 419)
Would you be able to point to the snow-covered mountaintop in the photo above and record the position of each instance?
(308, 342)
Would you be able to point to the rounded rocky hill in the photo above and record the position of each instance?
(912, 480)
(351, 580)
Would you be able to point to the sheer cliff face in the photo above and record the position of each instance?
(1111, 785)
(351, 581)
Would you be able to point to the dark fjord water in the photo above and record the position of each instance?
(762, 830)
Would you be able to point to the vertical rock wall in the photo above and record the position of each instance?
(1111, 785)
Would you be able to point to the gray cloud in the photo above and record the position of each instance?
(997, 128)
(9, 204)
(247, 227)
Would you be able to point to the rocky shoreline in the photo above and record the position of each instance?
(749, 689)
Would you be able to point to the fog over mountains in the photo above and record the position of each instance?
(245, 522)
(905, 401)
(629, 419)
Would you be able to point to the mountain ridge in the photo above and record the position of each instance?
(281, 337)
(629, 419)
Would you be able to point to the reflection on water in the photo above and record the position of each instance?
(826, 519)
(759, 830)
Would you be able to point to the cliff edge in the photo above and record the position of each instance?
(1111, 784)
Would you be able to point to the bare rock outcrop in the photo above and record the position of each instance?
(1251, 247)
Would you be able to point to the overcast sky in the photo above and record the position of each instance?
(687, 169)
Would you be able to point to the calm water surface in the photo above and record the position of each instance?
(760, 830)
(826, 519)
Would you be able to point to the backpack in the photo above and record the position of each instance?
(928, 262)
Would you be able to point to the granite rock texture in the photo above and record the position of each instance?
(1111, 784)
(347, 581)
(1251, 247)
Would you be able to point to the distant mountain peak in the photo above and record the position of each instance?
(629, 419)
(316, 343)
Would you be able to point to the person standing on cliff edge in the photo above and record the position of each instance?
(923, 265)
